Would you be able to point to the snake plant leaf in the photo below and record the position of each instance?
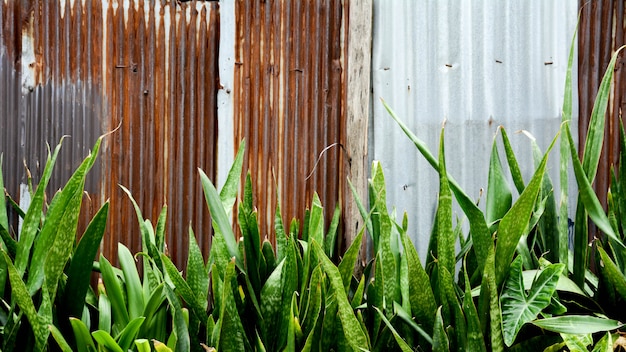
(491, 302)
(352, 330)
(499, 196)
(595, 132)
(440, 338)
(577, 324)
(228, 193)
(220, 218)
(404, 347)
(514, 223)
(511, 159)
(478, 226)
(445, 235)
(232, 335)
(281, 235)
(363, 212)
(183, 289)
(588, 197)
(381, 216)
(25, 302)
(612, 272)
(79, 272)
(564, 159)
(32, 217)
(475, 339)
(330, 241)
(197, 276)
(519, 308)
(271, 299)
(316, 221)
(421, 294)
(349, 260)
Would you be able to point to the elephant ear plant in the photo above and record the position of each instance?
(48, 273)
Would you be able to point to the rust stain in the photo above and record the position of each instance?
(149, 66)
(602, 30)
(288, 103)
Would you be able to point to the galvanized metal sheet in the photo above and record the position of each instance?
(475, 65)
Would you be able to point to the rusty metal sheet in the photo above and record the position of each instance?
(289, 93)
(149, 67)
(602, 30)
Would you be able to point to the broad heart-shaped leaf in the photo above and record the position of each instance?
(518, 308)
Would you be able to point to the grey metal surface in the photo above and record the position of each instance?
(476, 65)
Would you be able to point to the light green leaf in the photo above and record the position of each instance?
(577, 342)
(105, 340)
(228, 193)
(220, 218)
(84, 342)
(134, 292)
(577, 324)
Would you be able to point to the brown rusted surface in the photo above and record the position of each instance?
(289, 95)
(149, 67)
(601, 31)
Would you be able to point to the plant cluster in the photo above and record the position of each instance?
(511, 283)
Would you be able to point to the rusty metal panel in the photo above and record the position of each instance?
(149, 67)
(602, 30)
(289, 94)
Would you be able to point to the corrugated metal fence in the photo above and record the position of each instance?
(79, 68)
(602, 31)
(279, 68)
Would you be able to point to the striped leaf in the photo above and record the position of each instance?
(352, 330)
(445, 235)
(515, 222)
(79, 272)
(197, 276)
(32, 217)
(25, 302)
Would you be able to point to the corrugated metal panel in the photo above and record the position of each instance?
(476, 64)
(288, 102)
(602, 31)
(148, 66)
